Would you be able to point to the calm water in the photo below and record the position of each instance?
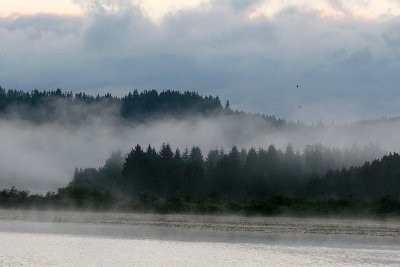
(113, 239)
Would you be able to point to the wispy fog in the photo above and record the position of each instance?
(42, 157)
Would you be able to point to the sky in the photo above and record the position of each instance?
(344, 55)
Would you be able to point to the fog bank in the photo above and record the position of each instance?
(42, 157)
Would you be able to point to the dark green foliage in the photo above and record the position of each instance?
(106, 178)
(44, 106)
(70, 197)
(10, 198)
(84, 197)
(372, 180)
(150, 103)
(13, 197)
(388, 204)
(235, 175)
(49, 106)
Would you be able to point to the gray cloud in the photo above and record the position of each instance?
(347, 69)
(237, 5)
(104, 6)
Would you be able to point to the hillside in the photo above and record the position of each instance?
(58, 105)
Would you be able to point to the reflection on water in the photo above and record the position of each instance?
(35, 238)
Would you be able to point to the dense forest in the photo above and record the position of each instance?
(48, 106)
(318, 172)
(263, 182)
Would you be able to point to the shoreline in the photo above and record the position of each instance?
(200, 227)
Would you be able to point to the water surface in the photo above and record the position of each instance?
(43, 238)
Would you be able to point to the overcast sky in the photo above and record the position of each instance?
(344, 55)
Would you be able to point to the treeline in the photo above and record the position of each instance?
(240, 173)
(48, 106)
(263, 181)
(380, 177)
(64, 198)
(90, 199)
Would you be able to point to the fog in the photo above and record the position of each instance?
(41, 157)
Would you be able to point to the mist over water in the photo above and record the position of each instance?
(42, 238)
(64, 250)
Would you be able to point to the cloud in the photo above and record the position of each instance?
(237, 5)
(104, 6)
(347, 68)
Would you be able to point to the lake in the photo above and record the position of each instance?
(66, 238)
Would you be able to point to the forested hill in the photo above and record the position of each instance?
(44, 106)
